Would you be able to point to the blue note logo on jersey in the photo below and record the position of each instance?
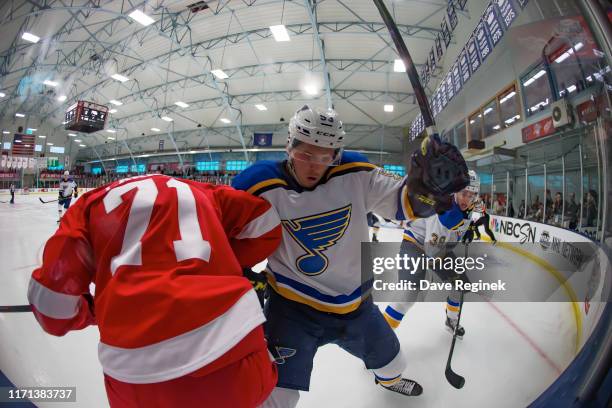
(316, 233)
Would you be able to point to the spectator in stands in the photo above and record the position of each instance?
(510, 209)
(557, 209)
(521, 212)
(572, 211)
(539, 213)
(590, 208)
(536, 205)
(498, 206)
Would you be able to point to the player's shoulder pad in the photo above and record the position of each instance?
(351, 162)
(453, 218)
(261, 176)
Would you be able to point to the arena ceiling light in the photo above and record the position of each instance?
(155, 129)
(50, 83)
(32, 129)
(398, 66)
(280, 33)
(40, 136)
(141, 18)
(49, 144)
(167, 119)
(261, 107)
(311, 89)
(30, 37)
(505, 98)
(2, 94)
(225, 120)
(120, 78)
(62, 98)
(388, 108)
(112, 111)
(110, 138)
(533, 78)
(219, 74)
(78, 140)
(111, 130)
(20, 115)
(116, 102)
(5, 132)
(181, 104)
(82, 145)
(72, 134)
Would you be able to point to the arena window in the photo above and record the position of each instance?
(207, 166)
(460, 135)
(235, 165)
(490, 114)
(536, 90)
(400, 170)
(475, 126)
(509, 107)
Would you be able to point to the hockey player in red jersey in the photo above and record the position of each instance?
(179, 324)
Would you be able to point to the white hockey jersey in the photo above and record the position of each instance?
(67, 187)
(318, 262)
(433, 232)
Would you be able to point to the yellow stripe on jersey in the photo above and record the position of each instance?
(347, 166)
(406, 204)
(409, 238)
(266, 183)
(458, 225)
(291, 294)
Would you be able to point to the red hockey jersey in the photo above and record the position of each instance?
(166, 257)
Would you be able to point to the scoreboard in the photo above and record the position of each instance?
(87, 117)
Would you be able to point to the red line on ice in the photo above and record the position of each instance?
(524, 335)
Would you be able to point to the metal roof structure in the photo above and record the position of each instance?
(340, 53)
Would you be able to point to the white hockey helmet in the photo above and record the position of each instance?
(316, 127)
(474, 185)
(66, 173)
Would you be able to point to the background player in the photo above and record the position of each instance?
(179, 324)
(322, 196)
(374, 223)
(12, 190)
(480, 211)
(67, 188)
(432, 236)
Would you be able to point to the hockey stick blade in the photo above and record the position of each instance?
(46, 202)
(15, 309)
(452, 377)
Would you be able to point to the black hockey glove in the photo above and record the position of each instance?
(259, 282)
(436, 171)
(468, 236)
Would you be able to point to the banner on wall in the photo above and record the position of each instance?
(492, 24)
(483, 41)
(262, 139)
(507, 12)
(538, 130)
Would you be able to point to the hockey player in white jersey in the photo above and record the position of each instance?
(433, 236)
(67, 188)
(316, 294)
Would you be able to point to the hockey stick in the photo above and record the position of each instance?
(413, 75)
(47, 202)
(15, 309)
(453, 378)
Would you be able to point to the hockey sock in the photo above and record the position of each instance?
(452, 309)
